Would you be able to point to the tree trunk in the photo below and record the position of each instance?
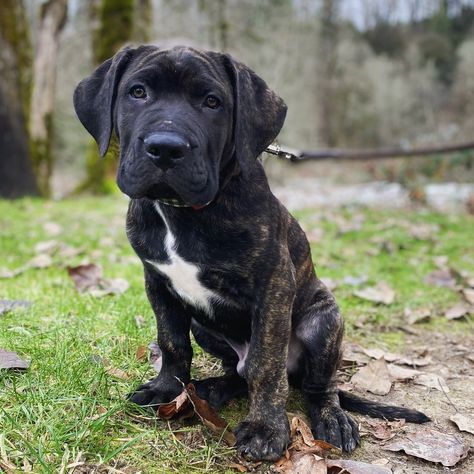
(17, 177)
(327, 61)
(143, 23)
(52, 20)
(112, 27)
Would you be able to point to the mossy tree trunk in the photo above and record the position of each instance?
(114, 24)
(16, 171)
(52, 20)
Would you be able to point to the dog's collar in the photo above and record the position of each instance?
(179, 203)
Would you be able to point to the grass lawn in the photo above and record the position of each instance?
(67, 408)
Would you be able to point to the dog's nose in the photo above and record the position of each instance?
(165, 147)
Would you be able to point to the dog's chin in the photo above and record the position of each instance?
(168, 195)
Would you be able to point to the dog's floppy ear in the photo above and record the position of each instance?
(258, 113)
(94, 97)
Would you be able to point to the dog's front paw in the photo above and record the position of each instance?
(332, 424)
(263, 440)
(156, 391)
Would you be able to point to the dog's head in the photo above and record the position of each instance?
(181, 115)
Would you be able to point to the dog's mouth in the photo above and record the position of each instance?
(165, 194)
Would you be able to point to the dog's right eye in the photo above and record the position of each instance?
(138, 92)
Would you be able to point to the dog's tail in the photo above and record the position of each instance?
(352, 402)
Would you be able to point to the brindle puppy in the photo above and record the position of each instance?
(223, 258)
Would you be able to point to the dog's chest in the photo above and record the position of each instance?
(183, 275)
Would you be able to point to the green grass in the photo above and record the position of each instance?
(66, 407)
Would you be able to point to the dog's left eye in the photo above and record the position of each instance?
(212, 102)
(138, 92)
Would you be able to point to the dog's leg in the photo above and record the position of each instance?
(264, 434)
(174, 340)
(320, 330)
(218, 390)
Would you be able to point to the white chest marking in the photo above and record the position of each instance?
(182, 274)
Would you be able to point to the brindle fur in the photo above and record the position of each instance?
(249, 249)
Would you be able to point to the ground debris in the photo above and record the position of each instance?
(464, 422)
(88, 279)
(11, 360)
(380, 293)
(441, 278)
(431, 445)
(382, 429)
(374, 377)
(10, 305)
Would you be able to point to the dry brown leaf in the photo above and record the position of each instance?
(442, 278)
(11, 360)
(141, 353)
(432, 381)
(210, 417)
(468, 294)
(398, 373)
(457, 311)
(381, 293)
(10, 305)
(117, 373)
(353, 354)
(306, 463)
(347, 466)
(432, 446)
(374, 377)
(417, 315)
(179, 406)
(464, 422)
(88, 278)
(384, 430)
(376, 353)
(52, 228)
(85, 276)
(330, 283)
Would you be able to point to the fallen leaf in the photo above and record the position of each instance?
(85, 276)
(374, 377)
(422, 231)
(52, 228)
(355, 280)
(306, 463)
(432, 381)
(384, 430)
(10, 305)
(347, 466)
(464, 422)
(11, 360)
(109, 286)
(417, 315)
(398, 373)
(49, 247)
(88, 278)
(330, 283)
(179, 406)
(117, 373)
(353, 354)
(468, 294)
(376, 353)
(432, 446)
(381, 293)
(6, 273)
(43, 260)
(457, 311)
(140, 353)
(441, 278)
(155, 358)
(210, 417)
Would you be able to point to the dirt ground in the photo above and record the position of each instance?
(449, 359)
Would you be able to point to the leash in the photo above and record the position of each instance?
(364, 154)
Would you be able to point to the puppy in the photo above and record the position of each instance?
(223, 259)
